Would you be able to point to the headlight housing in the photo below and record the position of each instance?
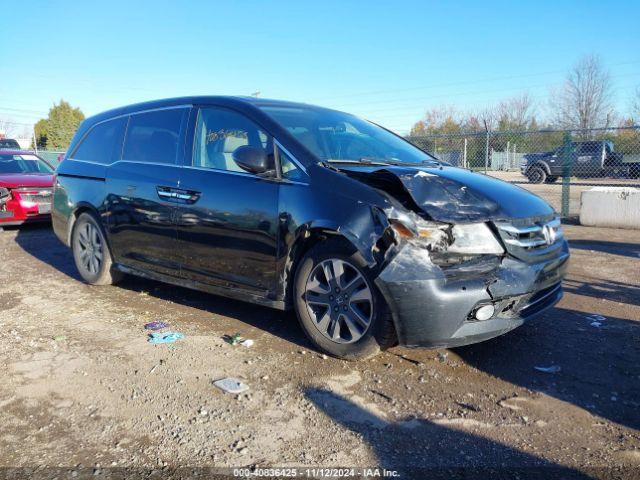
(474, 239)
(463, 239)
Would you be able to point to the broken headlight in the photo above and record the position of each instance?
(474, 239)
(465, 239)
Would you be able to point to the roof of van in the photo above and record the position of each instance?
(237, 101)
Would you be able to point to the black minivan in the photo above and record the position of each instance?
(372, 241)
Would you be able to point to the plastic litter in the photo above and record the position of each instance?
(551, 369)
(237, 339)
(155, 325)
(233, 339)
(60, 338)
(596, 324)
(595, 317)
(165, 337)
(231, 385)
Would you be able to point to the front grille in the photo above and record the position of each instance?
(531, 241)
(40, 196)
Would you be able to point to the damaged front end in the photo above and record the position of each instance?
(455, 275)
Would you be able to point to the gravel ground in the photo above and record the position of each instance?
(82, 389)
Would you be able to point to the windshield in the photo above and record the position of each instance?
(23, 164)
(339, 137)
(9, 143)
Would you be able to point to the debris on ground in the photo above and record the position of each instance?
(60, 338)
(551, 369)
(231, 385)
(155, 325)
(247, 343)
(382, 395)
(234, 339)
(166, 337)
(595, 317)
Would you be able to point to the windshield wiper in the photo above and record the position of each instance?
(361, 161)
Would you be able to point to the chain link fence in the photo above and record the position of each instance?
(554, 164)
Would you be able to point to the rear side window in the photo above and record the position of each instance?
(103, 144)
(154, 136)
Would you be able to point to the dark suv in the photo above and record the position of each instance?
(370, 240)
(585, 159)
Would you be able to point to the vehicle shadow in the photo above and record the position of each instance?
(39, 241)
(609, 289)
(419, 448)
(282, 324)
(615, 248)
(598, 361)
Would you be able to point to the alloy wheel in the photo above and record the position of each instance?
(339, 301)
(90, 248)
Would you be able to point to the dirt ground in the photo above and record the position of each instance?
(83, 390)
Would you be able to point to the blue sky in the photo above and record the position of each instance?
(386, 61)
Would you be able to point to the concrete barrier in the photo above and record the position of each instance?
(617, 207)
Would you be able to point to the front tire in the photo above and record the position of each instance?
(536, 175)
(338, 305)
(91, 252)
(551, 179)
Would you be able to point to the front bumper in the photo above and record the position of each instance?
(433, 306)
(17, 211)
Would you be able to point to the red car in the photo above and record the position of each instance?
(26, 188)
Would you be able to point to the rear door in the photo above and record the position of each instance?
(142, 187)
(228, 231)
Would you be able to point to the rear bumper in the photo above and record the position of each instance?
(434, 307)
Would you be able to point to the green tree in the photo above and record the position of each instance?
(40, 133)
(56, 131)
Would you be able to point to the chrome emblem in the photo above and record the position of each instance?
(549, 235)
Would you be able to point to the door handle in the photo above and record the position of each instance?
(177, 195)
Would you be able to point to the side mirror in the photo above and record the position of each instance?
(252, 159)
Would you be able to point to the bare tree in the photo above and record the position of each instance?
(516, 113)
(488, 118)
(9, 128)
(635, 106)
(584, 101)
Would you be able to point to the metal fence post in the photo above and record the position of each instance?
(486, 154)
(566, 173)
(464, 158)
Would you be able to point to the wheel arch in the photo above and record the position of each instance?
(85, 207)
(542, 164)
(306, 239)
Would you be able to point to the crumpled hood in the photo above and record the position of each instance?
(452, 195)
(16, 180)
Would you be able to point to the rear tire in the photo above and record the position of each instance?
(91, 252)
(344, 316)
(536, 175)
(551, 179)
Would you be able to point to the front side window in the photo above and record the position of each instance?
(153, 137)
(339, 137)
(103, 143)
(290, 170)
(23, 163)
(219, 132)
